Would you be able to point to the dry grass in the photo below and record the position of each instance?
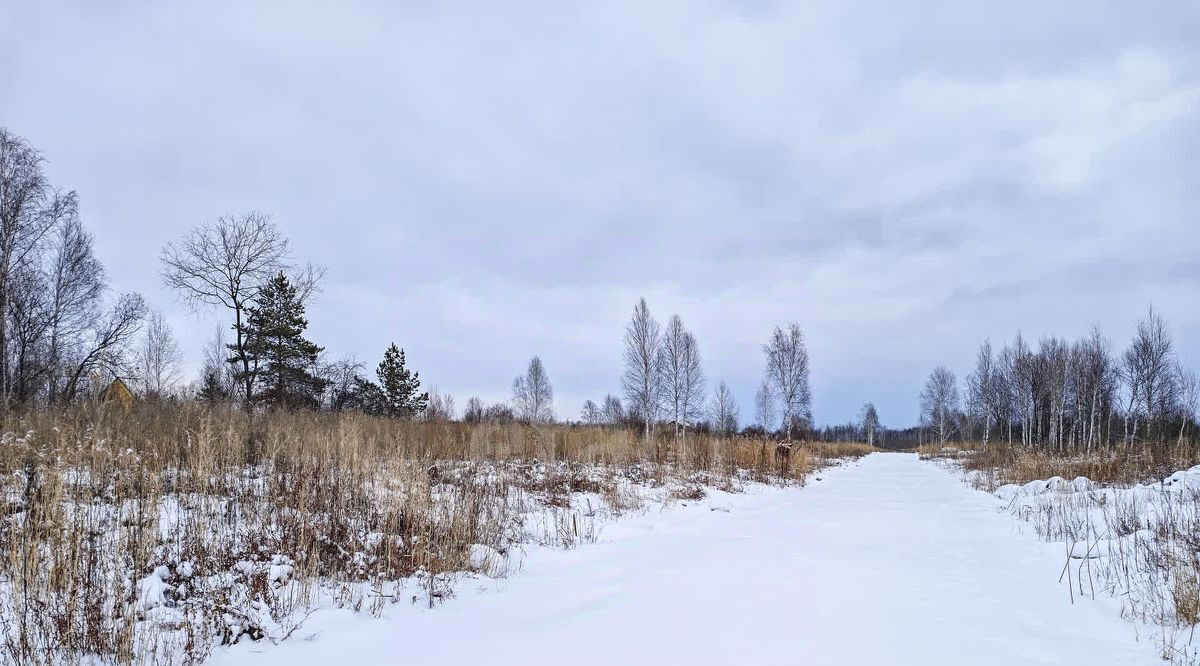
(835, 450)
(1135, 543)
(153, 535)
(1003, 464)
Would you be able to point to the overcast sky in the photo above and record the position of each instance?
(489, 181)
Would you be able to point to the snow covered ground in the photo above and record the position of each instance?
(884, 560)
(1139, 545)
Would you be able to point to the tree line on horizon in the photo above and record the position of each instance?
(1068, 396)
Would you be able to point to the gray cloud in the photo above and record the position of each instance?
(489, 181)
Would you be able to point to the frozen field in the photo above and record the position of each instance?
(886, 560)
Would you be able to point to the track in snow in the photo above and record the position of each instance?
(885, 561)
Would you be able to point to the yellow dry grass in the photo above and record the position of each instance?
(97, 497)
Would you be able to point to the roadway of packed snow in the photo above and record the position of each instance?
(884, 560)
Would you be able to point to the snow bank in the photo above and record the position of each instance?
(1138, 544)
(489, 561)
(153, 590)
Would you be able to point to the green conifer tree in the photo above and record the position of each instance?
(398, 386)
(283, 360)
(212, 391)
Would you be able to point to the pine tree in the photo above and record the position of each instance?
(398, 386)
(212, 390)
(283, 360)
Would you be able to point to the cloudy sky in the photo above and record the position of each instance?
(489, 181)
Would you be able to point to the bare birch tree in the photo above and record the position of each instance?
(1094, 384)
(159, 359)
(642, 380)
(613, 410)
(764, 406)
(682, 377)
(982, 393)
(787, 374)
(1189, 398)
(939, 403)
(869, 422)
(1149, 376)
(724, 411)
(29, 306)
(533, 397)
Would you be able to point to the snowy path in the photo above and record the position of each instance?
(885, 561)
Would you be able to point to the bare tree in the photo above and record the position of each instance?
(724, 410)
(498, 413)
(869, 422)
(939, 403)
(75, 288)
(341, 379)
(1095, 386)
(591, 414)
(1023, 386)
(642, 379)
(29, 210)
(159, 359)
(54, 335)
(764, 406)
(1189, 398)
(787, 374)
(216, 373)
(1063, 397)
(982, 389)
(1006, 390)
(1053, 363)
(474, 411)
(110, 346)
(440, 408)
(533, 397)
(1149, 377)
(613, 410)
(28, 314)
(682, 377)
(223, 264)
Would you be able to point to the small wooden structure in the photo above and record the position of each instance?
(118, 392)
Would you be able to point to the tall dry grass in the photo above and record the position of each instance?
(153, 535)
(1136, 543)
(999, 463)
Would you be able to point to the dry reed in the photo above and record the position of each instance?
(152, 535)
